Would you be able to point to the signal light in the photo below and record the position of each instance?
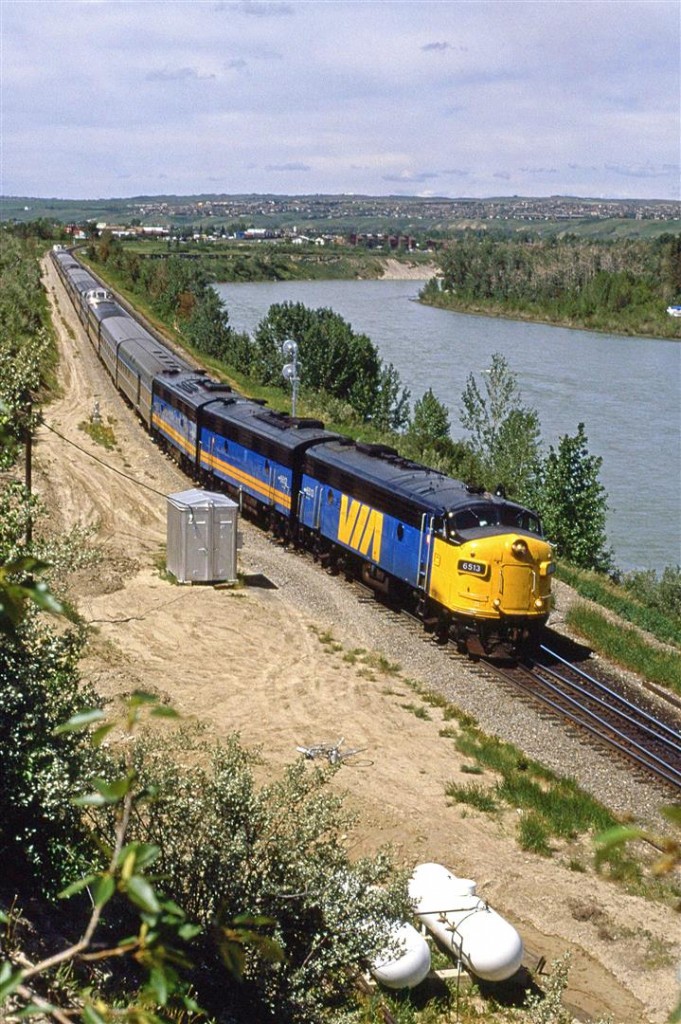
(519, 548)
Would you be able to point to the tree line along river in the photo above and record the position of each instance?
(625, 390)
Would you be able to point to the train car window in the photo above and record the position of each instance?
(527, 521)
(465, 520)
(400, 531)
(329, 497)
(520, 518)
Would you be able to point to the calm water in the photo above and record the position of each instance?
(625, 390)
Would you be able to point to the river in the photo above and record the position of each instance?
(625, 390)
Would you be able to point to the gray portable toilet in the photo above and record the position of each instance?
(202, 537)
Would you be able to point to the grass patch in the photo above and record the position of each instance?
(101, 433)
(565, 808)
(352, 656)
(626, 647)
(160, 563)
(472, 794)
(534, 833)
(553, 807)
(417, 710)
(381, 664)
(599, 589)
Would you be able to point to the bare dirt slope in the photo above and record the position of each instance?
(251, 660)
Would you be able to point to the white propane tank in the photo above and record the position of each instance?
(487, 945)
(407, 967)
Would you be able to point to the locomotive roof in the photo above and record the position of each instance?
(381, 467)
(276, 428)
(195, 389)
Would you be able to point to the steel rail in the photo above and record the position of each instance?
(606, 730)
(640, 723)
(642, 714)
(526, 679)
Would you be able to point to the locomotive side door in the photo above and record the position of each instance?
(425, 551)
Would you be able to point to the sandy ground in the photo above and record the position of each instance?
(399, 270)
(251, 660)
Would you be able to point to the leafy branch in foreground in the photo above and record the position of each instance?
(158, 946)
(18, 587)
(609, 843)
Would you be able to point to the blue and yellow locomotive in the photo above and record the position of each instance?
(474, 566)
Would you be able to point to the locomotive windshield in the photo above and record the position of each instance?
(478, 517)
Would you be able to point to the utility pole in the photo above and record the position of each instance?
(290, 370)
(28, 463)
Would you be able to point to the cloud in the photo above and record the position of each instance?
(260, 9)
(176, 75)
(442, 47)
(330, 97)
(410, 176)
(288, 167)
(643, 170)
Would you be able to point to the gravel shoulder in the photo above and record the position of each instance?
(260, 661)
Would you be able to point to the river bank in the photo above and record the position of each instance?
(452, 305)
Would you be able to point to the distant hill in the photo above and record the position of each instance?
(419, 216)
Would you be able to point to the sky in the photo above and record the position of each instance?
(104, 99)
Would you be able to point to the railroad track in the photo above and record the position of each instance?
(599, 708)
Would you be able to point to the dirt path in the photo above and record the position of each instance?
(251, 660)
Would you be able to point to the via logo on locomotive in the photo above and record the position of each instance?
(360, 526)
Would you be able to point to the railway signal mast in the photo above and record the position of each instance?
(290, 370)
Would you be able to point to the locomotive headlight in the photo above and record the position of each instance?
(539, 603)
(496, 602)
(519, 549)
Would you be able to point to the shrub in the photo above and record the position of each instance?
(277, 852)
(41, 834)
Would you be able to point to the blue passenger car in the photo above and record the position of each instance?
(177, 403)
(256, 452)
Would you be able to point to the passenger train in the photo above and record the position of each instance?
(473, 566)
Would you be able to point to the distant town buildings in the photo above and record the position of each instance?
(373, 222)
(444, 211)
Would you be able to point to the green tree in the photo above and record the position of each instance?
(504, 434)
(430, 421)
(333, 359)
(573, 503)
